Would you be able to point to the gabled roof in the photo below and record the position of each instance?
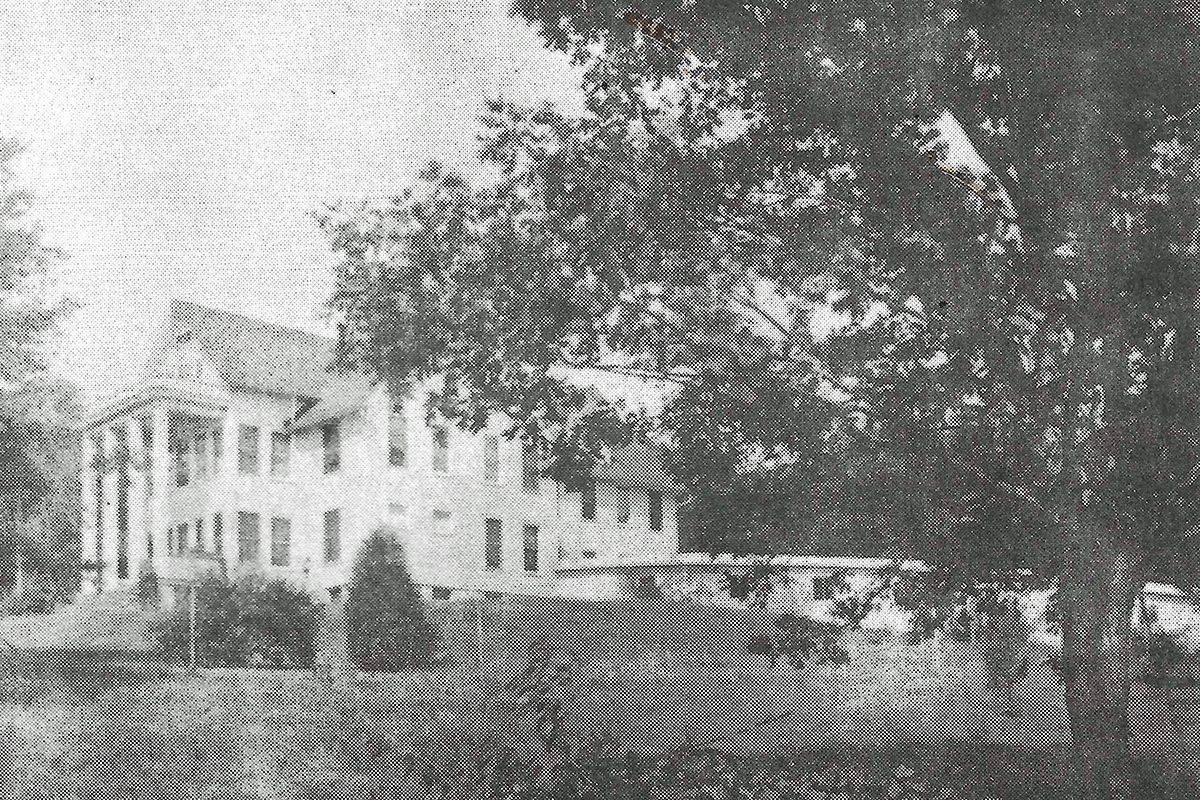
(253, 355)
(340, 396)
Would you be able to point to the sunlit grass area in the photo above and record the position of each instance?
(114, 730)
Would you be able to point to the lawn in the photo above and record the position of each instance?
(155, 733)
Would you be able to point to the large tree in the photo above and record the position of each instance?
(951, 245)
(39, 414)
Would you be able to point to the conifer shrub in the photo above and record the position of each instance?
(387, 629)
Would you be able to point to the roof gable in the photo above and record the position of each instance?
(252, 355)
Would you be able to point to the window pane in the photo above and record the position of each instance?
(333, 535)
(491, 459)
(656, 510)
(441, 450)
(248, 449)
(201, 454)
(181, 464)
(331, 441)
(281, 452)
(398, 436)
(281, 541)
(218, 534)
(588, 501)
(181, 535)
(531, 468)
(531, 548)
(493, 544)
(200, 535)
(248, 537)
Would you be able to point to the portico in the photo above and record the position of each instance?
(150, 456)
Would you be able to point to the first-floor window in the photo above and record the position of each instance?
(281, 541)
(181, 532)
(656, 510)
(248, 537)
(199, 534)
(443, 524)
(218, 534)
(531, 548)
(492, 545)
(333, 535)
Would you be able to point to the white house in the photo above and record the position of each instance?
(239, 448)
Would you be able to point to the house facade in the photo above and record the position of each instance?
(239, 450)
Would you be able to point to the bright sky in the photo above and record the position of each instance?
(177, 148)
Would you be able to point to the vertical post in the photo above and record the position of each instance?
(111, 485)
(192, 628)
(160, 466)
(89, 552)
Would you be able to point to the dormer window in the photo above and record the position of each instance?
(441, 449)
(331, 443)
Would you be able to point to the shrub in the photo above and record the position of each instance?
(147, 587)
(247, 622)
(386, 626)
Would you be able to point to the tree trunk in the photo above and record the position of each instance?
(1097, 595)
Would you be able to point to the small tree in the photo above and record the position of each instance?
(386, 626)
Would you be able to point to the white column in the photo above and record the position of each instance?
(227, 486)
(139, 516)
(160, 472)
(87, 528)
(108, 554)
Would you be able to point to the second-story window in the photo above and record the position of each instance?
(281, 451)
(398, 436)
(182, 471)
(587, 500)
(491, 459)
(440, 461)
(531, 468)
(201, 454)
(331, 444)
(248, 449)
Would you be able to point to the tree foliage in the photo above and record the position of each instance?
(949, 247)
(39, 415)
(250, 621)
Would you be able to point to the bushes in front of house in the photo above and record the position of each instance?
(251, 621)
(386, 625)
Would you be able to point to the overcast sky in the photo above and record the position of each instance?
(177, 147)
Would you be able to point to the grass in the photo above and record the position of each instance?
(146, 732)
